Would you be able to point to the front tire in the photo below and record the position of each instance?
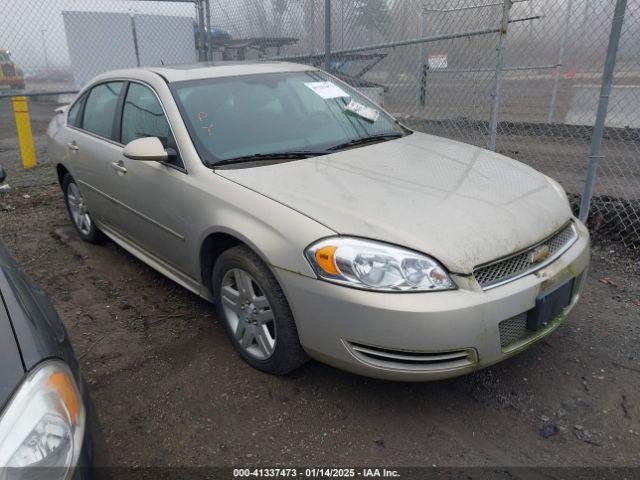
(78, 212)
(255, 312)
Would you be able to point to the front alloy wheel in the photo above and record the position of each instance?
(251, 305)
(248, 313)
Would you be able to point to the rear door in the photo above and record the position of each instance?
(93, 148)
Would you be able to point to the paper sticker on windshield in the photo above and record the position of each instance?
(363, 111)
(327, 90)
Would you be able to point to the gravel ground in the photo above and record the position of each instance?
(170, 390)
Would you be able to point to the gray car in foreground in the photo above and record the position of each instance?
(317, 224)
(48, 426)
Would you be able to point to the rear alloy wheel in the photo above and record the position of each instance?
(78, 212)
(255, 312)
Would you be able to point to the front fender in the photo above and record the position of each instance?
(277, 233)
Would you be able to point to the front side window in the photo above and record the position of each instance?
(233, 117)
(100, 109)
(142, 116)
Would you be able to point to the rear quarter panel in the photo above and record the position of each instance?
(56, 144)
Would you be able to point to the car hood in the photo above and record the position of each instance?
(461, 204)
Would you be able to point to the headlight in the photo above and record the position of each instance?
(376, 266)
(43, 425)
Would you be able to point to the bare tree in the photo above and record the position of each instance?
(279, 9)
(373, 16)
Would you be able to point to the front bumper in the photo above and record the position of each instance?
(424, 336)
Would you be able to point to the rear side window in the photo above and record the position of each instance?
(73, 118)
(100, 109)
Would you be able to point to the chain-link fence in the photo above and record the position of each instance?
(59, 45)
(522, 77)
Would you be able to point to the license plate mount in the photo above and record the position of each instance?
(549, 305)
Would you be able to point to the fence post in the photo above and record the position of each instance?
(201, 47)
(134, 34)
(559, 67)
(422, 72)
(209, 41)
(603, 105)
(327, 35)
(495, 104)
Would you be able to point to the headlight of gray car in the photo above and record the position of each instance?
(377, 266)
(43, 425)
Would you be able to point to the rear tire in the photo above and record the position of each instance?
(251, 305)
(79, 215)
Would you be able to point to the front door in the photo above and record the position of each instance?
(154, 194)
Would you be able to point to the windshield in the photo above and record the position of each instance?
(233, 117)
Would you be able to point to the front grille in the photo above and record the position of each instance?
(411, 360)
(513, 330)
(515, 266)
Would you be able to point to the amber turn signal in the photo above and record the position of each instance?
(326, 260)
(60, 382)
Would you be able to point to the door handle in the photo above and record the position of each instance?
(73, 146)
(119, 167)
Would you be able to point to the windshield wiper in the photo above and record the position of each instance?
(295, 155)
(363, 141)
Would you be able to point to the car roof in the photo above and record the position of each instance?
(203, 70)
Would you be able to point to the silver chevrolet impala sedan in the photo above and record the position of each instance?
(317, 224)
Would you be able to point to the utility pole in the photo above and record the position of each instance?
(560, 66)
(44, 49)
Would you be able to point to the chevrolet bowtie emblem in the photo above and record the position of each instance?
(539, 254)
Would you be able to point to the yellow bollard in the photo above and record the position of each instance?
(23, 123)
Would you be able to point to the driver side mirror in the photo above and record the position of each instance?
(3, 175)
(148, 149)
